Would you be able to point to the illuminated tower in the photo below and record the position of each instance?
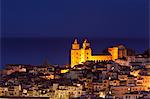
(85, 52)
(75, 53)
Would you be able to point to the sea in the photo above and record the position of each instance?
(56, 50)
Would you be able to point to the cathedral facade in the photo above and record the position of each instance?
(83, 54)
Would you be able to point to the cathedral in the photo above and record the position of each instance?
(83, 54)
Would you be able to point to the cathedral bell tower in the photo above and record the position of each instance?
(86, 52)
(75, 53)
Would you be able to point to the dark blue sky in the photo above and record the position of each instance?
(75, 18)
(46, 28)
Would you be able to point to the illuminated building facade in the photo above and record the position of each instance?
(83, 54)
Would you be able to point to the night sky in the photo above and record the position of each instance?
(34, 30)
(74, 18)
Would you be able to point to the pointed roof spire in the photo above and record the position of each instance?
(86, 41)
(75, 41)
